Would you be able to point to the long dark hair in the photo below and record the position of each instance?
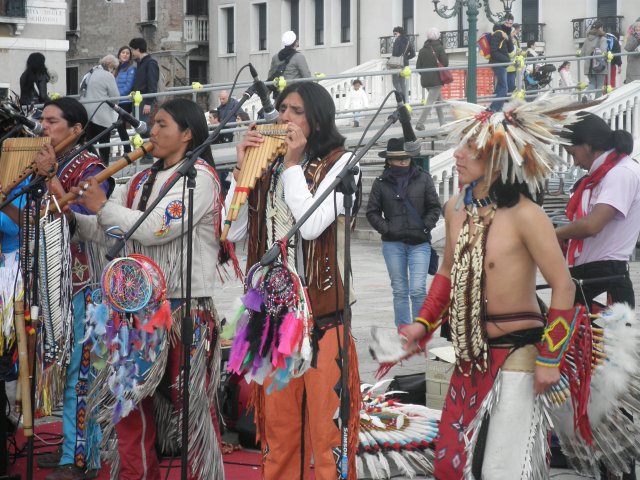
(507, 195)
(72, 111)
(594, 131)
(34, 71)
(321, 113)
(189, 115)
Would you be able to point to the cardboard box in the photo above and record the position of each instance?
(438, 376)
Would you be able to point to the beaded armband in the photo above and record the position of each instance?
(557, 337)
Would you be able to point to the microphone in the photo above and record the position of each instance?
(270, 114)
(139, 126)
(33, 125)
(411, 143)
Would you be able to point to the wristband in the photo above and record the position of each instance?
(235, 167)
(557, 337)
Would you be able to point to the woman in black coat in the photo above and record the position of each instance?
(33, 81)
(429, 55)
(404, 207)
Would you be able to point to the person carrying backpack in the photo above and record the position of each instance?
(288, 62)
(595, 68)
(613, 46)
(501, 48)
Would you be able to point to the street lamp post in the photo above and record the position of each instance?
(473, 7)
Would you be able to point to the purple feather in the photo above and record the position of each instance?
(253, 300)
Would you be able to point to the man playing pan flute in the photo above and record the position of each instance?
(299, 419)
(63, 118)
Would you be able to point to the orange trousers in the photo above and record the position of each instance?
(291, 435)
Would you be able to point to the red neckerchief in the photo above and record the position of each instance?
(574, 210)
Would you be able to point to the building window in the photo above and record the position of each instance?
(407, 16)
(151, 10)
(73, 15)
(295, 16)
(227, 30)
(197, 7)
(72, 80)
(198, 71)
(345, 21)
(607, 8)
(319, 22)
(262, 26)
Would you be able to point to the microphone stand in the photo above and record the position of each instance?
(187, 169)
(346, 184)
(11, 132)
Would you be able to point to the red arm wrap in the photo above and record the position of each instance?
(436, 303)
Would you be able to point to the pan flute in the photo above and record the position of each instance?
(17, 156)
(255, 161)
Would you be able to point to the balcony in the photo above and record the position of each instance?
(196, 29)
(581, 26)
(15, 13)
(532, 31)
(454, 39)
(386, 43)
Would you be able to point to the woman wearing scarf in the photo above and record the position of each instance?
(404, 207)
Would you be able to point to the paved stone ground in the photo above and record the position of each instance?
(374, 308)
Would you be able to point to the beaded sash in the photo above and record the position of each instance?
(467, 279)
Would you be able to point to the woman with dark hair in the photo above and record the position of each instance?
(297, 420)
(179, 127)
(33, 81)
(604, 209)
(125, 75)
(402, 47)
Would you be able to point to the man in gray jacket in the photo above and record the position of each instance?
(97, 85)
(595, 68)
(288, 62)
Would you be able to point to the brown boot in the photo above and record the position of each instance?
(71, 472)
(50, 459)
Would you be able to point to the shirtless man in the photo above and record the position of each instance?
(497, 238)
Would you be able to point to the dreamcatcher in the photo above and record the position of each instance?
(128, 320)
(273, 326)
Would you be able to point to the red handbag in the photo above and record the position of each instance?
(445, 75)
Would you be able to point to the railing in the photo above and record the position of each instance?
(621, 110)
(196, 29)
(13, 8)
(532, 31)
(386, 43)
(581, 26)
(454, 39)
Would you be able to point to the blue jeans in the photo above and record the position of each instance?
(511, 81)
(500, 74)
(400, 84)
(407, 266)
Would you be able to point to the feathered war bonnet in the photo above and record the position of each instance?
(518, 141)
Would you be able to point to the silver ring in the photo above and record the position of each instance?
(81, 193)
(85, 186)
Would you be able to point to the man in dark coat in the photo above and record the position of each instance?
(147, 76)
(429, 55)
(501, 47)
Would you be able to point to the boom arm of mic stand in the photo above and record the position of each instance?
(75, 151)
(273, 253)
(182, 171)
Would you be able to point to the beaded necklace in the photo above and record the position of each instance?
(467, 278)
(482, 202)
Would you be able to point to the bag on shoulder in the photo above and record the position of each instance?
(484, 45)
(395, 62)
(598, 64)
(445, 75)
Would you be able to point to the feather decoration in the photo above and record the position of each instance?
(502, 137)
